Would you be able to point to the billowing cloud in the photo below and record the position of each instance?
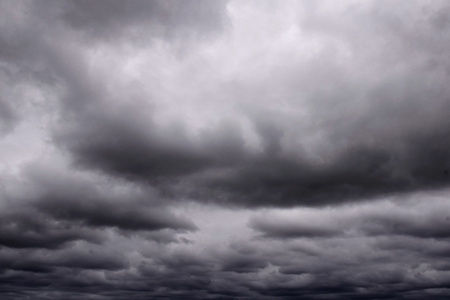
(344, 128)
(224, 149)
(55, 208)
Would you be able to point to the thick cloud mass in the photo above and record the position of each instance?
(224, 149)
(345, 128)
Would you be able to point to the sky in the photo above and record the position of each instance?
(224, 150)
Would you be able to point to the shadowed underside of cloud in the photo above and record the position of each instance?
(387, 264)
(376, 153)
(61, 208)
(380, 249)
(403, 164)
(360, 138)
(367, 220)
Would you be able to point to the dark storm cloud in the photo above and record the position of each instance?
(122, 145)
(61, 208)
(370, 127)
(125, 216)
(348, 252)
(68, 198)
(30, 229)
(412, 161)
(41, 262)
(397, 267)
(129, 145)
(109, 137)
(104, 211)
(150, 105)
(374, 144)
(179, 272)
(59, 235)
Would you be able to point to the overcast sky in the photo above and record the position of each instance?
(197, 149)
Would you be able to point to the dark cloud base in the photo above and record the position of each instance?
(281, 273)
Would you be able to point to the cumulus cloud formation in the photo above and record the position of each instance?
(224, 149)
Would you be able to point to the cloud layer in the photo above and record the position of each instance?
(224, 149)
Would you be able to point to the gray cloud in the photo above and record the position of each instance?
(34, 230)
(358, 139)
(56, 209)
(361, 111)
(142, 20)
(8, 118)
(367, 220)
(153, 131)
